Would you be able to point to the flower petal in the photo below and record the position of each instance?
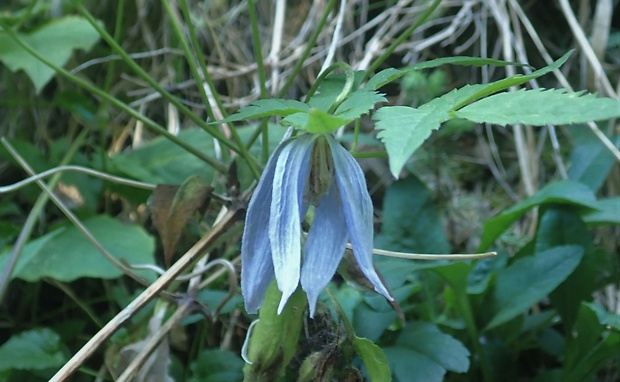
(357, 208)
(290, 178)
(325, 246)
(256, 263)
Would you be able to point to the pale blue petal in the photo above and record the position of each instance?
(358, 212)
(325, 246)
(256, 263)
(289, 181)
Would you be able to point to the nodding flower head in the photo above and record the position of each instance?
(303, 171)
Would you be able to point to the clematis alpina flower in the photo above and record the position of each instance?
(303, 171)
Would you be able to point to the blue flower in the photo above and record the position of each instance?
(303, 171)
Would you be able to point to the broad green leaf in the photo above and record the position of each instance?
(163, 162)
(590, 161)
(610, 320)
(607, 212)
(55, 41)
(358, 103)
(266, 108)
(423, 353)
(590, 346)
(561, 226)
(406, 128)
(374, 359)
(65, 254)
(410, 219)
(540, 107)
(530, 279)
(274, 338)
(216, 365)
(35, 349)
(563, 192)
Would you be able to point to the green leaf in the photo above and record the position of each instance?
(590, 161)
(561, 226)
(386, 76)
(410, 219)
(374, 359)
(163, 162)
(530, 279)
(610, 320)
(55, 41)
(358, 103)
(266, 108)
(497, 86)
(406, 128)
(540, 107)
(215, 365)
(35, 349)
(590, 345)
(563, 192)
(65, 254)
(423, 353)
(607, 212)
(315, 121)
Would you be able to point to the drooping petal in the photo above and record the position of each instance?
(357, 208)
(256, 263)
(324, 247)
(290, 177)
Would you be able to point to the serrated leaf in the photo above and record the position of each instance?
(528, 280)
(423, 353)
(65, 254)
(330, 88)
(54, 41)
(266, 108)
(540, 107)
(358, 103)
(386, 76)
(36, 349)
(503, 84)
(406, 128)
(374, 359)
(565, 192)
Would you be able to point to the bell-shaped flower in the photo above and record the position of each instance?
(312, 169)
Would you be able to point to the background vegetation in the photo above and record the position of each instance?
(134, 105)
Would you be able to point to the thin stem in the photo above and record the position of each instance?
(102, 175)
(71, 216)
(160, 89)
(387, 52)
(262, 77)
(309, 45)
(420, 256)
(217, 165)
(26, 230)
(151, 292)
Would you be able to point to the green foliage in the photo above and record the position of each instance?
(65, 254)
(540, 107)
(530, 279)
(423, 353)
(217, 366)
(55, 41)
(36, 349)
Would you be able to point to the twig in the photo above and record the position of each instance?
(151, 292)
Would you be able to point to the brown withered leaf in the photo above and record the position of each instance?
(172, 207)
